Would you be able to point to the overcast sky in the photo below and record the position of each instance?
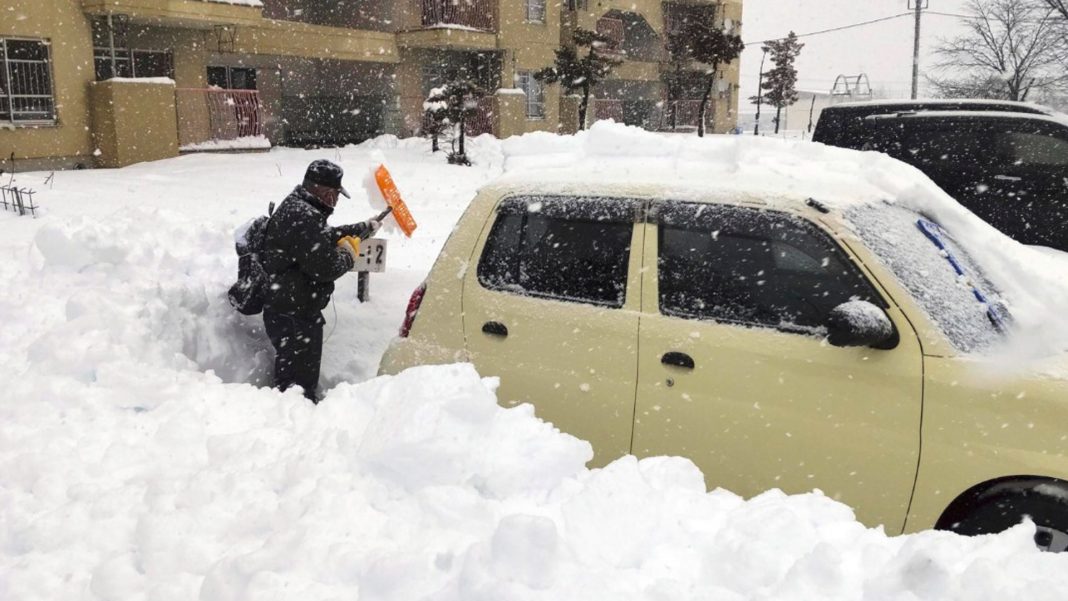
(882, 50)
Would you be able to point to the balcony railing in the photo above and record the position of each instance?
(605, 108)
(484, 121)
(687, 115)
(472, 14)
(613, 30)
(212, 117)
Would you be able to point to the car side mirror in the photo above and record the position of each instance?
(860, 323)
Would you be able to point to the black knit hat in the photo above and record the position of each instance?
(327, 174)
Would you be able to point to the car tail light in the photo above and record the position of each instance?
(413, 308)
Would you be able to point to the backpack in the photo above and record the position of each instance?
(248, 292)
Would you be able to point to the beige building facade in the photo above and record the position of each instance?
(104, 83)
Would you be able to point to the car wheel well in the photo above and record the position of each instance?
(984, 492)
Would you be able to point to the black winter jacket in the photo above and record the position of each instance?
(302, 258)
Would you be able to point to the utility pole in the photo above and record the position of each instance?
(760, 91)
(920, 5)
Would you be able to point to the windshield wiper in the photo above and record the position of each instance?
(996, 312)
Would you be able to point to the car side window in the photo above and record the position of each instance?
(1026, 149)
(564, 248)
(752, 267)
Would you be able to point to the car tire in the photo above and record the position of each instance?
(1004, 506)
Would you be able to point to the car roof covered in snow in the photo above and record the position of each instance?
(612, 159)
(1056, 118)
(945, 104)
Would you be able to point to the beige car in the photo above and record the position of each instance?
(774, 341)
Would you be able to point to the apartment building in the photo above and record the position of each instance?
(107, 83)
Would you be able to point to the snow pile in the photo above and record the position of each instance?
(116, 287)
(166, 484)
(138, 460)
(243, 143)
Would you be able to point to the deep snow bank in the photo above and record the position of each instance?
(168, 484)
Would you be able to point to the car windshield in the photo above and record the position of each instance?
(945, 281)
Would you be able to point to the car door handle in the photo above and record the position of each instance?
(495, 328)
(678, 360)
(1008, 178)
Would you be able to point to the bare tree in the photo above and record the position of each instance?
(1059, 6)
(1012, 49)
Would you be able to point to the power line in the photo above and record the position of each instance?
(843, 28)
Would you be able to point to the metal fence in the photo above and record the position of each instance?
(484, 121)
(687, 115)
(476, 14)
(213, 114)
(612, 29)
(608, 108)
(19, 200)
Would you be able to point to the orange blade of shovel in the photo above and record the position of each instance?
(393, 199)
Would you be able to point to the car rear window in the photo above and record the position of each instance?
(563, 248)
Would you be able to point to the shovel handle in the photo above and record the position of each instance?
(383, 214)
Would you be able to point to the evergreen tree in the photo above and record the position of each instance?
(703, 41)
(457, 101)
(780, 84)
(580, 73)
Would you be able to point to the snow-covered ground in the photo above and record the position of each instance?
(138, 460)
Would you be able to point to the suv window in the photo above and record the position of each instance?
(968, 144)
(565, 248)
(1034, 149)
(753, 267)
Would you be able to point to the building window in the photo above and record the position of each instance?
(111, 55)
(232, 78)
(535, 92)
(153, 63)
(576, 5)
(26, 94)
(535, 11)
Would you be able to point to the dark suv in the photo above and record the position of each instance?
(1007, 162)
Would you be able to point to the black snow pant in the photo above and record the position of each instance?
(298, 351)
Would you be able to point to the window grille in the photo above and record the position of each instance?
(535, 93)
(111, 52)
(26, 94)
(536, 11)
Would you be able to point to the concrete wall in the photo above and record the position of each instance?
(66, 143)
(133, 122)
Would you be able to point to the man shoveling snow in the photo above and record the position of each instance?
(303, 257)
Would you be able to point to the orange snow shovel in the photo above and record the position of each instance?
(393, 199)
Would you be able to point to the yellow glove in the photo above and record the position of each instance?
(351, 245)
